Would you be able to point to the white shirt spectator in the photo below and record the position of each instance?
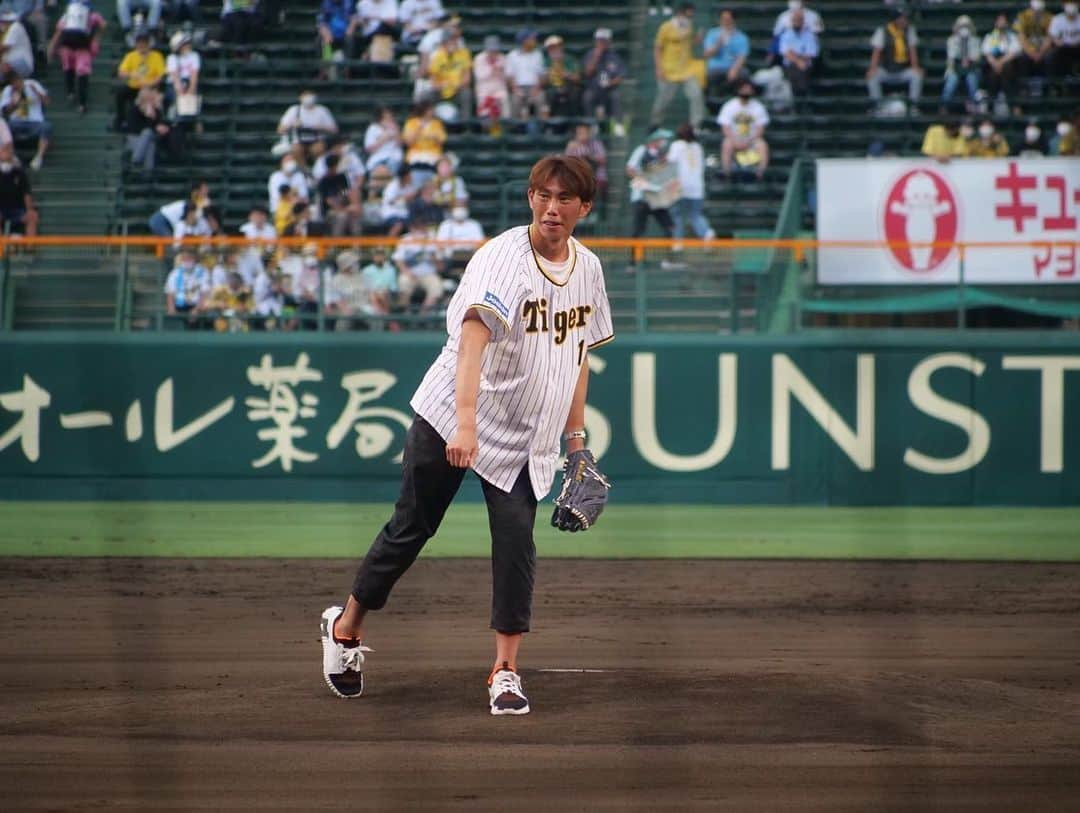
(296, 180)
(811, 19)
(17, 47)
(349, 163)
(267, 301)
(374, 12)
(184, 66)
(489, 73)
(389, 152)
(265, 232)
(524, 69)
(1065, 31)
(417, 254)
(30, 108)
(428, 43)
(394, 202)
(173, 212)
(187, 285)
(316, 117)
(748, 118)
(689, 159)
(998, 44)
(200, 228)
(453, 229)
(420, 14)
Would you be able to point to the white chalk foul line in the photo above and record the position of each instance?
(578, 671)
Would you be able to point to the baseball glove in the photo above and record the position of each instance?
(583, 495)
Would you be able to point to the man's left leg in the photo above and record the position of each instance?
(511, 518)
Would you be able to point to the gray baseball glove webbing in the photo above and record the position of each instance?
(583, 495)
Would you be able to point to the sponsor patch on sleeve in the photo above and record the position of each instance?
(496, 303)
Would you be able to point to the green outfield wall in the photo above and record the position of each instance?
(845, 419)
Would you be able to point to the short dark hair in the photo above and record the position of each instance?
(575, 175)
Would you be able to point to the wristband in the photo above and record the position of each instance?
(577, 433)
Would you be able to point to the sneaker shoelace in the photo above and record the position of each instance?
(505, 681)
(354, 657)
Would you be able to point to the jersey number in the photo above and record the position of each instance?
(580, 352)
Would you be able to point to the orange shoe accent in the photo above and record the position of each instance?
(505, 665)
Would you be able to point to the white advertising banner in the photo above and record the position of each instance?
(1001, 200)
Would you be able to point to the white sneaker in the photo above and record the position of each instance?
(505, 694)
(342, 665)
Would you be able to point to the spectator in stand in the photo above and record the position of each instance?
(689, 158)
(163, 222)
(18, 51)
(450, 71)
(287, 201)
(339, 198)
(1065, 32)
(450, 188)
(1032, 27)
(307, 286)
(798, 47)
(348, 161)
(463, 236)
(241, 21)
(586, 145)
(306, 126)
(124, 9)
(423, 207)
(336, 24)
(380, 281)
(744, 120)
(811, 19)
(1033, 144)
(145, 127)
(491, 82)
(183, 66)
(193, 223)
(675, 66)
(382, 143)
(396, 198)
(5, 133)
(378, 18)
(726, 51)
(186, 286)
(417, 17)
(561, 79)
(423, 88)
(949, 139)
(78, 36)
(23, 104)
(643, 162)
(424, 137)
(16, 203)
(269, 296)
(33, 18)
(894, 58)
(347, 291)
(604, 71)
(418, 264)
(525, 70)
(289, 174)
(989, 143)
(1001, 47)
(962, 55)
(185, 11)
(262, 234)
(142, 67)
(1066, 140)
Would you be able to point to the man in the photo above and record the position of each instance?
(340, 200)
(726, 50)
(461, 236)
(23, 105)
(140, 68)
(653, 183)
(1065, 33)
(525, 70)
(744, 120)
(949, 139)
(512, 376)
(418, 263)
(894, 58)
(380, 281)
(450, 71)
(1032, 26)
(810, 18)
(674, 62)
(336, 23)
(288, 174)
(491, 83)
(417, 17)
(1001, 49)
(16, 203)
(798, 49)
(307, 125)
(604, 72)
(562, 79)
(16, 50)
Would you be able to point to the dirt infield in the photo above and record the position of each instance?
(164, 684)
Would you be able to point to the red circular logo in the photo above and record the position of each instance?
(920, 208)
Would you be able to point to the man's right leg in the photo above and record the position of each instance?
(428, 486)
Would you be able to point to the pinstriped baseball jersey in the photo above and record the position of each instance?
(541, 331)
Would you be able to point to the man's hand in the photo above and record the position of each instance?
(462, 449)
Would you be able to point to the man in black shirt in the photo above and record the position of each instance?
(16, 204)
(340, 199)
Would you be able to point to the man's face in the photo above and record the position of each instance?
(797, 19)
(257, 218)
(555, 53)
(727, 19)
(556, 211)
(142, 46)
(581, 133)
(900, 22)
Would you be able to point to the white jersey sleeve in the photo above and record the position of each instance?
(491, 285)
(599, 330)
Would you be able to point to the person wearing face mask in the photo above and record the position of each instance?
(16, 203)
(989, 143)
(306, 126)
(962, 57)
(462, 236)
(1065, 34)
(674, 61)
(799, 49)
(811, 19)
(1032, 26)
(744, 120)
(1000, 49)
(949, 139)
(289, 175)
(1033, 144)
(186, 287)
(1066, 140)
